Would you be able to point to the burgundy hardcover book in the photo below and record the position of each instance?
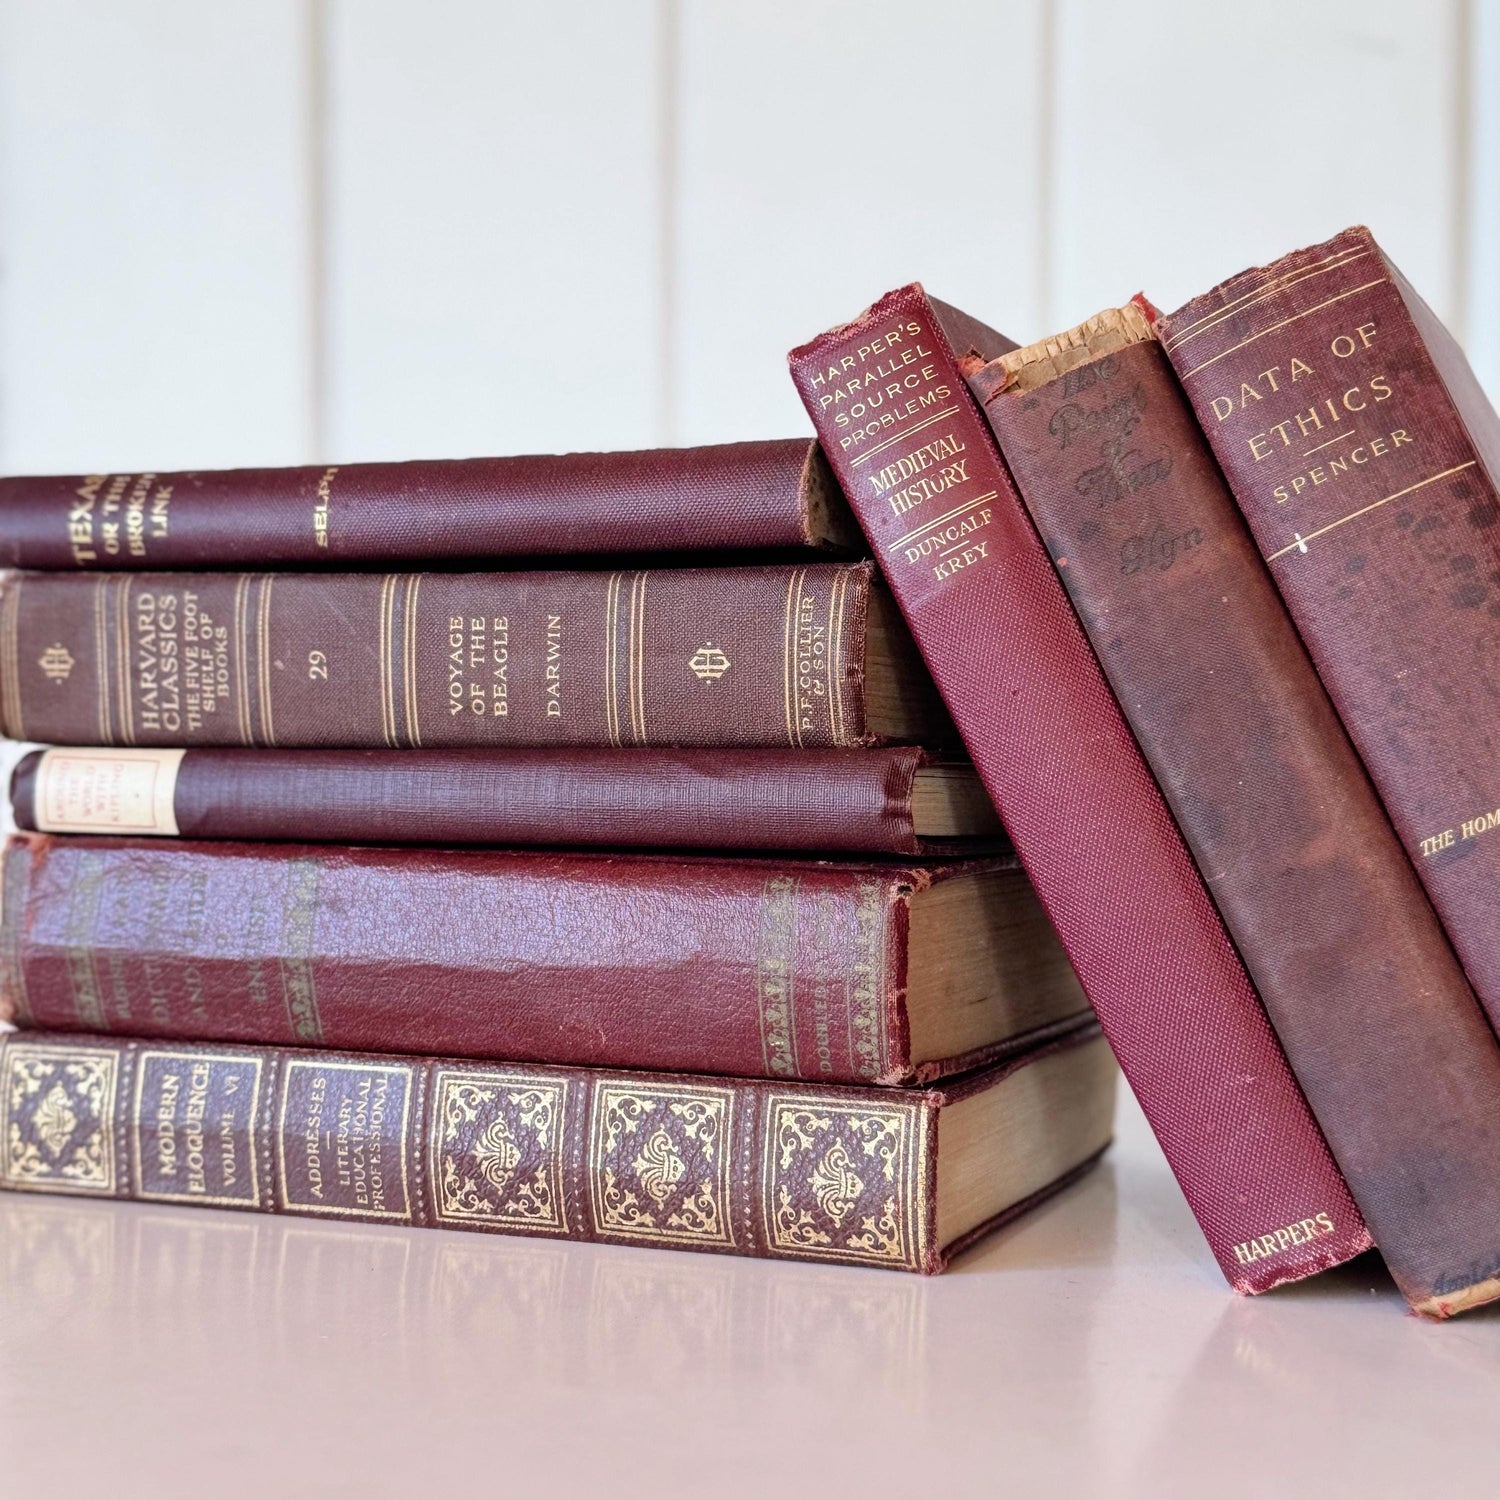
(924, 476)
(860, 973)
(896, 1180)
(800, 656)
(1366, 459)
(733, 496)
(1377, 1019)
(895, 801)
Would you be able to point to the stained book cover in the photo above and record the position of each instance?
(1366, 460)
(755, 496)
(1378, 1021)
(770, 968)
(921, 470)
(724, 656)
(673, 1162)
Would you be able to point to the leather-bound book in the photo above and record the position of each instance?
(757, 656)
(1366, 459)
(862, 973)
(895, 1180)
(924, 476)
(729, 497)
(1376, 1016)
(892, 801)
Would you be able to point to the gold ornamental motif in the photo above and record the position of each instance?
(58, 1112)
(835, 1183)
(57, 662)
(659, 1168)
(844, 1181)
(709, 663)
(497, 1145)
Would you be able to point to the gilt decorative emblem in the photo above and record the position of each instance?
(835, 1183)
(497, 1142)
(57, 1106)
(57, 662)
(709, 664)
(659, 1167)
(659, 1163)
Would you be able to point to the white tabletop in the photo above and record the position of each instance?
(1091, 1350)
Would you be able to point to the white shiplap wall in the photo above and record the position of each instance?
(276, 231)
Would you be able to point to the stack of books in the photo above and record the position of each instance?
(647, 902)
(1211, 602)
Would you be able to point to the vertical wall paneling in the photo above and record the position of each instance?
(492, 227)
(1199, 139)
(152, 234)
(829, 151)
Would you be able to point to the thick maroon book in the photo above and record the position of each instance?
(729, 497)
(922, 472)
(894, 1179)
(757, 656)
(877, 801)
(1366, 459)
(861, 973)
(1267, 789)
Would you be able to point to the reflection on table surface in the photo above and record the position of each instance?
(153, 1350)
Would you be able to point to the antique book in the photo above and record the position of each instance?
(860, 973)
(900, 1180)
(1372, 1007)
(892, 801)
(758, 656)
(729, 497)
(922, 472)
(1366, 459)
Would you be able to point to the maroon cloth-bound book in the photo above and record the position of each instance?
(768, 968)
(733, 497)
(1366, 459)
(894, 1180)
(1370, 1003)
(922, 472)
(757, 656)
(875, 801)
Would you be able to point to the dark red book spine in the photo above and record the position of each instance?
(818, 801)
(724, 1165)
(925, 479)
(1268, 791)
(734, 496)
(1366, 460)
(770, 968)
(690, 656)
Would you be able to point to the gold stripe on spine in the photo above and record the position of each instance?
(241, 684)
(57, 1117)
(776, 974)
(496, 1150)
(10, 625)
(786, 660)
(103, 665)
(844, 1181)
(298, 945)
(125, 694)
(611, 609)
(263, 660)
(865, 983)
(409, 663)
(660, 1163)
(81, 939)
(830, 660)
(387, 703)
(638, 658)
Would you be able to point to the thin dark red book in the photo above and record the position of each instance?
(1366, 459)
(895, 1179)
(758, 656)
(877, 801)
(774, 968)
(1324, 907)
(757, 496)
(925, 479)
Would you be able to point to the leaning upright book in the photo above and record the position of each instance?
(921, 469)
